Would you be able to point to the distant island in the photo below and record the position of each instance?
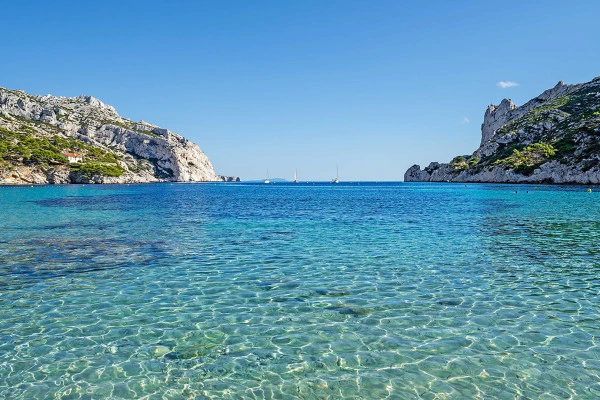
(553, 138)
(48, 139)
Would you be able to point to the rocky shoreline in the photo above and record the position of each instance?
(553, 138)
(39, 133)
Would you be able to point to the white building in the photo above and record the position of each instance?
(72, 157)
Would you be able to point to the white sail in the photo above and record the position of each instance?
(337, 175)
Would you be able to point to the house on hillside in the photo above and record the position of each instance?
(72, 157)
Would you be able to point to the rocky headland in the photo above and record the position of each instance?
(48, 139)
(553, 138)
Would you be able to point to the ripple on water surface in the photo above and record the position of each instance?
(299, 291)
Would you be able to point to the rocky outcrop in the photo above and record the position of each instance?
(35, 130)
(228, 178)
(552, 138)
(496, 117)
(551, 172)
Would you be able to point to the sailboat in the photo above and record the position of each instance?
(337, 174)
(296, 176)
(266, 180)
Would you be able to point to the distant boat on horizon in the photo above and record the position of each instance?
(296, 176)
(337, 174)
(266, 180)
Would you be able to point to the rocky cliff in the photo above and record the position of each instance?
(553, 138)
(48, 139)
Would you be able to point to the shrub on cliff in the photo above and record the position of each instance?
(90, 169)
(525, 161)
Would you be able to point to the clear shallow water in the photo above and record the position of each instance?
(299, 291)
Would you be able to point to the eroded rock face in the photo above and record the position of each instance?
(168, 155)
(563, 122)
(414, 174)
(499, 116)
(496, 117)
(57, 175)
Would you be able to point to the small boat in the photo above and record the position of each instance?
(296, 176)
(266, 180)
(336, 179)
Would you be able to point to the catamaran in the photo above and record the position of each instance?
(296, 176)
(266, 180)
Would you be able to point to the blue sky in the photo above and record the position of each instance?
(375, 86)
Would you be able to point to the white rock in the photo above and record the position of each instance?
(88, 119)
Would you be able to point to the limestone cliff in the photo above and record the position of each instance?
(48, 139)
(553, 138)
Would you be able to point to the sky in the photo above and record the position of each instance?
(371, 86)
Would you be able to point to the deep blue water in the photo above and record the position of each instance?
(312, 291)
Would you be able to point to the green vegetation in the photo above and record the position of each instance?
(590, 164)
(591, 149)
(554, 104)
(566, 129)
(90, 153)
(548, 111)
(459, 163)
(565, 145)
(62, 117)
(579, 100)
(16, 147)
(89, 169)
(504, 150)
(40, 145)
(26, 129)
(525, 161)
(590, 114)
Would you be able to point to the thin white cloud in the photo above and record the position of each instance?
(507, 84)
(466, 120)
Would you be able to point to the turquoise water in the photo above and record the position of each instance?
(299, 291)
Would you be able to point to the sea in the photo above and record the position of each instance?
(300, 291)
